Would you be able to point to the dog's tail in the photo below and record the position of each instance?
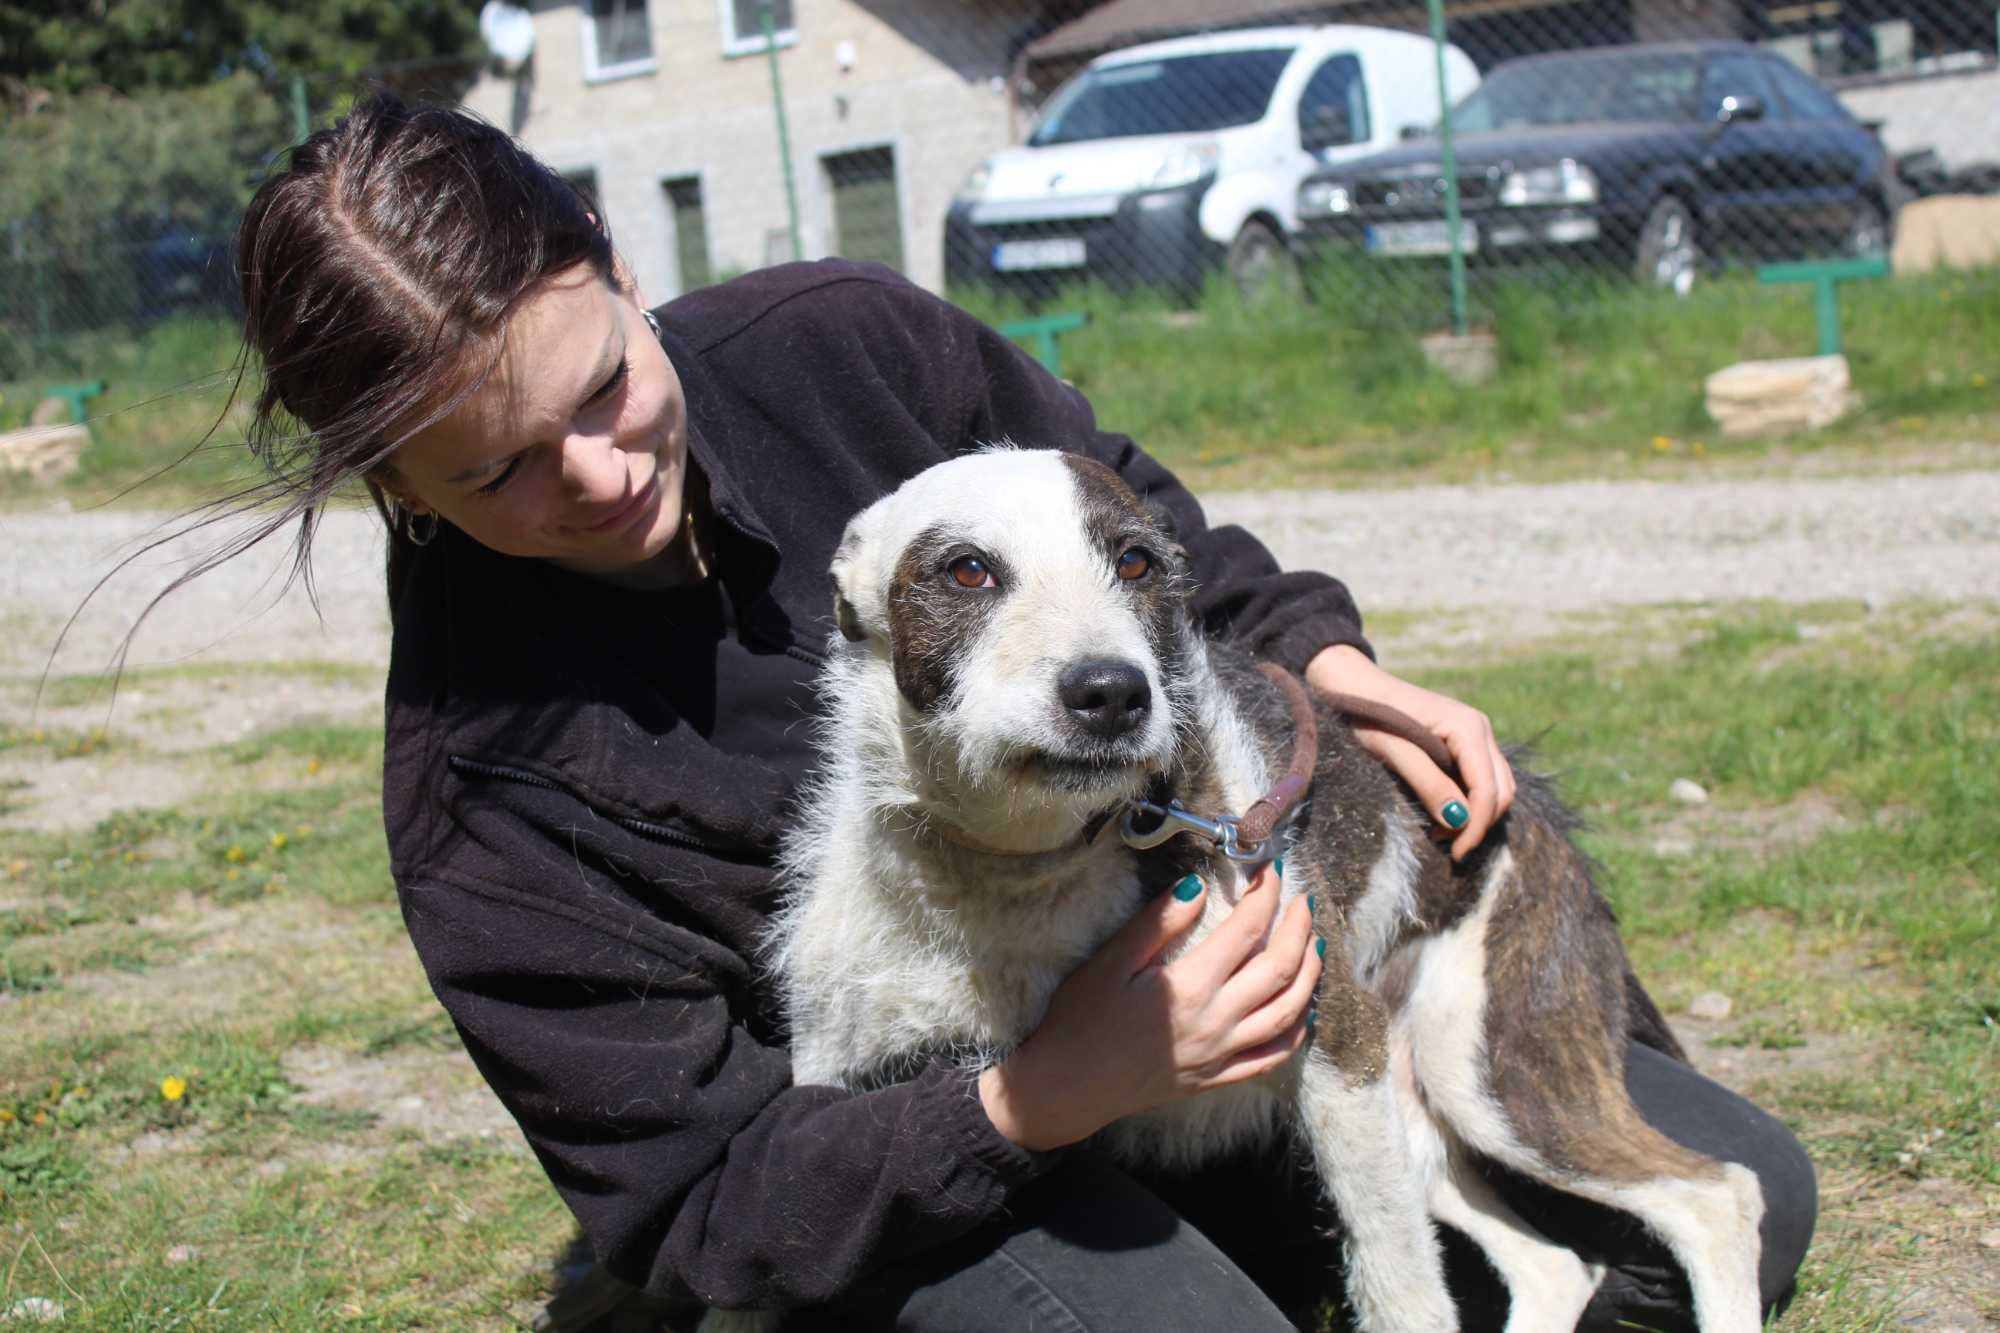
(1648, 1026)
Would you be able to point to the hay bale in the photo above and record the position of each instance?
(1797, 393)
(1947, 231)
(44, 453)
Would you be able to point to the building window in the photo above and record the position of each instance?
(617, 40)
(743, 25)
(690, 231)
(867, 212)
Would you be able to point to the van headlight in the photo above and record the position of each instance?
(973, 188)
(1183, 166)
(1319, 199)
(1564, 182)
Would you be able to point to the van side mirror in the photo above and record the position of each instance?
(1744, 107)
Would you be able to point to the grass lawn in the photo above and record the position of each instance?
(228, 1101)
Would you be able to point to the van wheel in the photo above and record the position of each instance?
(1669, 255)
(1262, 266)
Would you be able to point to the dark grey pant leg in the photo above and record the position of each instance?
(1086, 1248)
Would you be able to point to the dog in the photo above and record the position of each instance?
(1016, 664)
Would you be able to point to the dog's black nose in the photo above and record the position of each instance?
(1109, 698)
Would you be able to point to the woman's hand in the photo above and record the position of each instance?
(1465, 731)
(1126, 1032)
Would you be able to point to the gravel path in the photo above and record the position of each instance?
(1518, 549)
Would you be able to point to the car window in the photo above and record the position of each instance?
(1583, 90)
(1807, 100)
(1176, 95)
(1333, 110)
(1736, 75)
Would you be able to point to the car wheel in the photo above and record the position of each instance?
(1261, 265)
(1867, 232)
(1669, 255)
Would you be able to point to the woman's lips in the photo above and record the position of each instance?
(627, 510)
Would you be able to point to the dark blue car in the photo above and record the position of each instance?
(1652, 158)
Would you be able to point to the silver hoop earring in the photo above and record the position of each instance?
(652, 322)
(420, 536)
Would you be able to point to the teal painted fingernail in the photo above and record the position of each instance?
(1319, 946)
(1312, 1017)
(1188, 889)
(1454, 814)
(1312, 903)
(1279, 866)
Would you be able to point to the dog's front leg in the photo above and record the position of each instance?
(1395, 1274)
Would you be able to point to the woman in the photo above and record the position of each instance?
(610, 529)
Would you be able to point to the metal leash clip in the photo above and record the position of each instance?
(1176, 819)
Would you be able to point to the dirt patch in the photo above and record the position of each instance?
(435, 1095)
(160, 734)
(1923, 1246)
(1765, 830)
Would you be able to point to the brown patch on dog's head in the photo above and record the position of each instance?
(931, 618)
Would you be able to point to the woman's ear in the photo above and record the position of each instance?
(387, 484)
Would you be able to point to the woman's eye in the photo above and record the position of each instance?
(493, 487)
(969, 571)
(1134, 564)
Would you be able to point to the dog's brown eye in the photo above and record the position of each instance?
(969, 571)
(1134, 564)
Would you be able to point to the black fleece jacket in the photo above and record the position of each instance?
(584, 787)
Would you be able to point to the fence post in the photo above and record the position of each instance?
(301, 114)
(784, 136)
(1449, 165)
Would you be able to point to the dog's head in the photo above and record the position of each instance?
(1033, 613)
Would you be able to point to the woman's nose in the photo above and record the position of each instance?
(594, 468)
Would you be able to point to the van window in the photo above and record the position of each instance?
(1333, 110)
(1179, 95)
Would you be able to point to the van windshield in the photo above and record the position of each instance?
(1178, 95)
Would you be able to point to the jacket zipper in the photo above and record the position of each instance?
(643, 827)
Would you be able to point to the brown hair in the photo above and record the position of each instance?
(379, 266)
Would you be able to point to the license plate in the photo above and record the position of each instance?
(1055, 252)
(1421, 238)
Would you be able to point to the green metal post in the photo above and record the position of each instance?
(1449, 164)
(784, 135)
(301, 114)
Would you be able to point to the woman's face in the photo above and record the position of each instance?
(574, 449)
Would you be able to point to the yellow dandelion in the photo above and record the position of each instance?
(1700, 449)
(41, 1118)
(6, 1116)
(232, 874)
(17, 867)
(131, 857)
(173, 1088)
(1662, 443)
(1978, 380)
(312, 766)
(278, 841)
(80, 1091)
(234, 855)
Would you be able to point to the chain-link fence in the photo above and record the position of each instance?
(1056, 152)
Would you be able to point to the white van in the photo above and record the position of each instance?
(1159, 162)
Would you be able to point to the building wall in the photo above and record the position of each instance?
(1953, 113)
(924, 78)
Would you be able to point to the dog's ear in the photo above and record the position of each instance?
(857, 594)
